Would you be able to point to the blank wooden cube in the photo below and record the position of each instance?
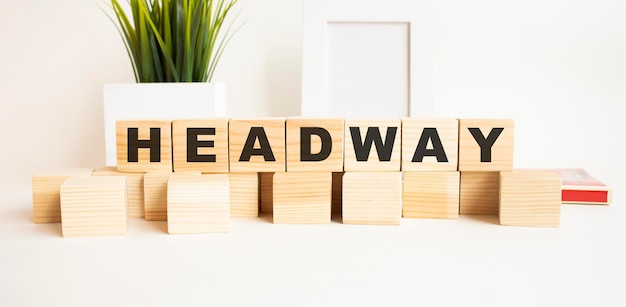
(257, 145)
(155, 194)
(94, 206)
(314, 145)
(266, 186)
(200, 145)
(486, 144)
(530, 198)
(47, 192)
(144, 146)
(430, 144)
(302, 197)
(134, 188)
(244, 194)
(372, 145)
(198, 204)
(479, 193)
(431, 195)
(372, 198)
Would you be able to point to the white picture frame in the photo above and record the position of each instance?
(317, 14)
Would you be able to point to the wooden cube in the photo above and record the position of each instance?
(155, 194)
(244, 194)
(479, 193)
(336, 193)
(94, 206)
(486, 144)
(372, 145)
(198, 204)
(144, 146)
(431, 195)
(314, 145)
(372, 198)
(266, 195)
(46, 187)
(302, 197)
(200, 145)
(134, 188)
(530, 198)
(257, 145)
(430, 144)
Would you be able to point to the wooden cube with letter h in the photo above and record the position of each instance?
(200, 145)
(372, 198)
(302, 197)
(257, 145)
(46, 187)
(94, 206)
(431, 195)
(530, 198)
(144, 145)
(486, 144)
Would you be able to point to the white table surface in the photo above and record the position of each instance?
(422, 262)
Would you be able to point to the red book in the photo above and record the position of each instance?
(578, 187)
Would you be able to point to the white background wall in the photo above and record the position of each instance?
(558, 67)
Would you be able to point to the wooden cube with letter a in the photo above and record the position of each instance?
(431, 195)
(302, 197)
(155, 194)
(372, 145)
(530, 198)
(372, 198)
(47, 192)
(257, 145)
(479, 193)
(134, 188)
(144, 146)
(314, 145)
(94, 206)
(486, 144)
(198, 204)
(430, 144)
(200, 145)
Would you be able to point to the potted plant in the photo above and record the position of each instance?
(174, 47)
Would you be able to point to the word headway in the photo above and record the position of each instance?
(222, 145)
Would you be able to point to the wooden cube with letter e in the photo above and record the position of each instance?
(200, 145)
(486, 144)
(314, 144)
(144, 146)
(257, 145)
(372, 145)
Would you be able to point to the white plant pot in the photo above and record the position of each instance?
(167, 101)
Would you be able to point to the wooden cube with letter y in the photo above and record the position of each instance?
(430, 195)
(302, 197)
(372, 145)
(372, 198)
(144, 146)
(200, 145)
(530, 198)
(257, 145)
(486, 144)
(94, 206)
(314, 144)
(198, 204)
